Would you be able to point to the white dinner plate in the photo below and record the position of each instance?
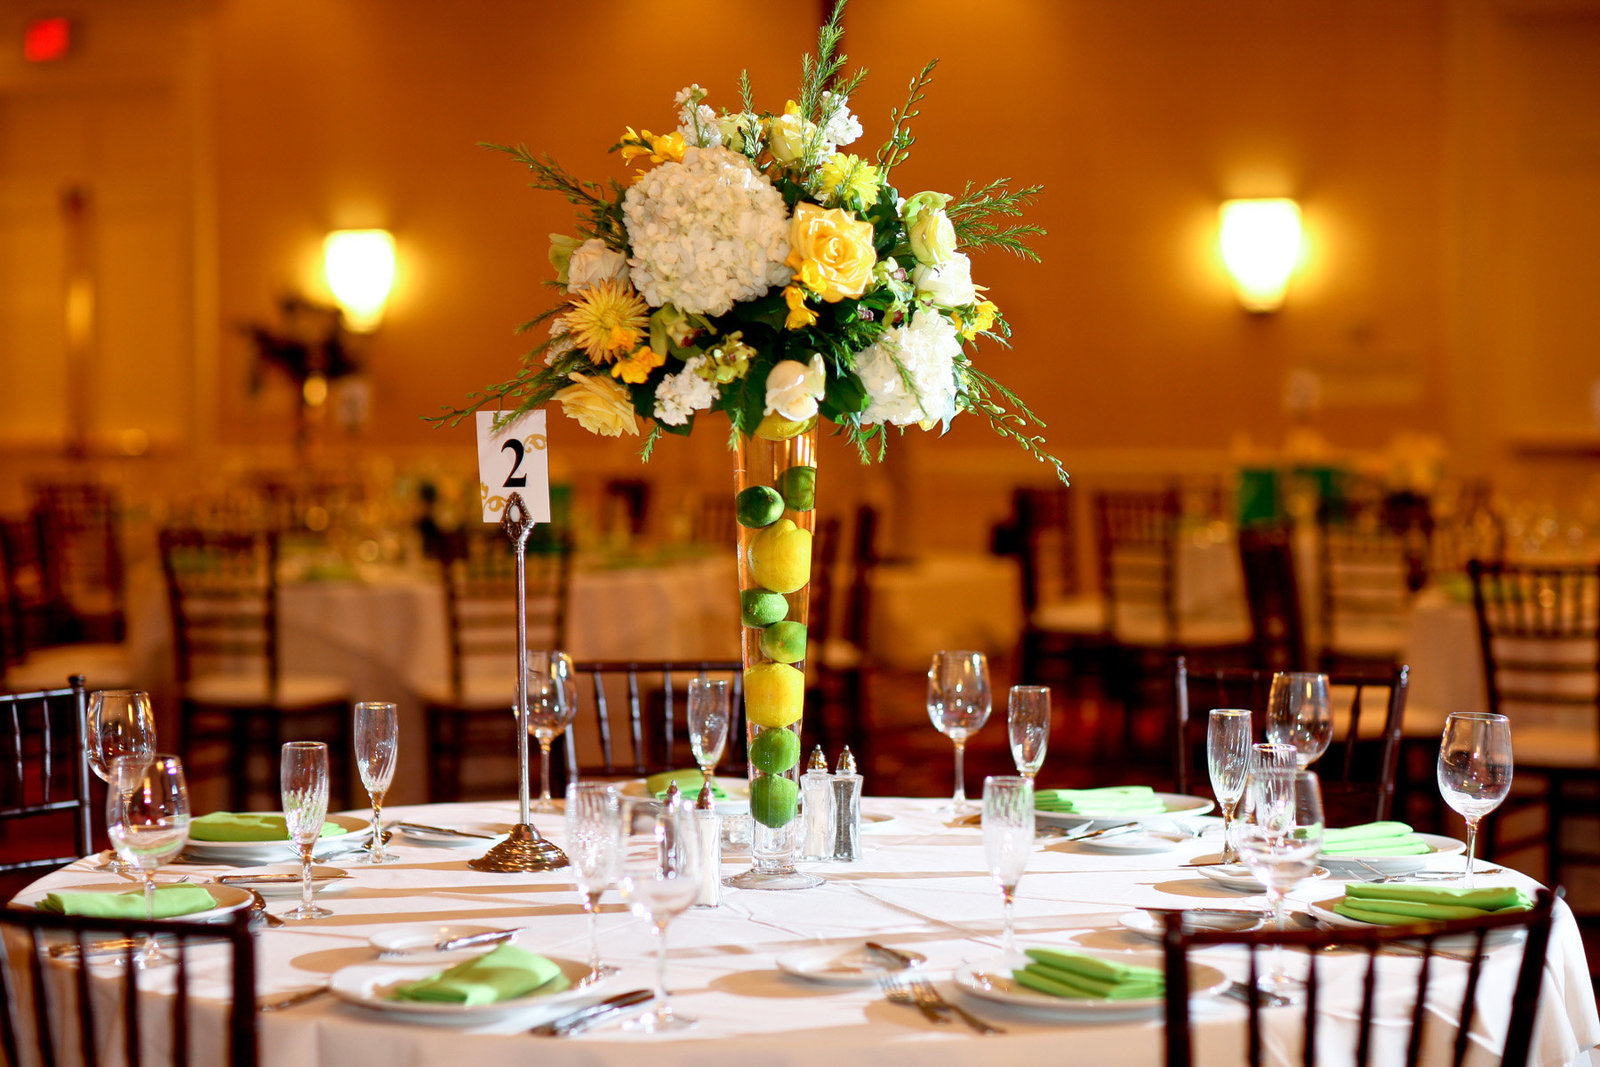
(229, 898)
(251, 853)
(325, 881)
(417, 941)
(1346, 863)
(1238, 876)
(737, 791)
(1150, 925)
(1178, 806)
(368, 985)
(991, 980)
(875, 820)
(1135, 843)
(830, 965)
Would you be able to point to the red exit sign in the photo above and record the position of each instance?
(46, 40)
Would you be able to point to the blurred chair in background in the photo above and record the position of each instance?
(44, 779)
(652, 733)
(79, 525)
(1272, 590)
(1064, 625)
(838, 698)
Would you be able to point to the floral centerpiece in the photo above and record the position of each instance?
(754, 268)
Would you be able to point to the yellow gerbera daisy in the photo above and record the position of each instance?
(607, 320)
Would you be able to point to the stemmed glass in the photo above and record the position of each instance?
(1228, 760)
(1028, 724)
(1008, 840)
(303, 781)
(708, 722)
(594, 838)
(1280, 846)
(552, 704)
(958, 704)
(1299, 713)
(377, 730)
(121, 723)
(659, 877)
(148, 824)
(1474, 769)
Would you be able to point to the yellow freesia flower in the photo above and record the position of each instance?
(799, 315)
(637, 367)
(983, 315)
(831, 251)
(668, 147)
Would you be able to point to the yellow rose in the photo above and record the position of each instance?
(933, 238)
(831, 251)
(799, 314)
(600, 405)
(787, 134)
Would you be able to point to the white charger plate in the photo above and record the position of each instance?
(251, 853)
(368, 985)
(1353, 864)
(991, 980)
(830, 965)
(1238, 876)
(417, 941)
(229, 898)
(1178, 806)
(1148, 925)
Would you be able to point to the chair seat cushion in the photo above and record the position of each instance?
(103, 666)
(1071, 615)
(250, 690)
(491, 692)
(1370, 640)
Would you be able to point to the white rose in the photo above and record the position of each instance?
(593, 262)
(793, 388)
(948, 286)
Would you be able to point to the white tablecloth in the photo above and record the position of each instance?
(921, 885)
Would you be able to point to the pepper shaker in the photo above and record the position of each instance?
(816, 798)
(847, 809)
(708, 828)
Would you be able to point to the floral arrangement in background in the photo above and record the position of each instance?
(754, 267)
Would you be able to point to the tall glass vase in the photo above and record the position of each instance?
(775, 475)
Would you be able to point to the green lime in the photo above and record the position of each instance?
(784, 641)
(773, 800)
(761, 607)
(798, 485)
(775, 751)
(757, 506)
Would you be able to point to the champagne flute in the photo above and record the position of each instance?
(552, 704)
(958, 704)
(594, 838)
(1299, 713)
(1269, 791)
(708, 723)
(1228, 760)
(303, 781)
(377, 730)
(1280, 847)
(659, 877)
(1028, 724)
(121, 723)
(1008, 840)
(148, 824)
(1474, 769)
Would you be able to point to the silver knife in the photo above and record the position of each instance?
(575, 1022)
(293, 999)
(274, 879)
(445, 830)
(490, 938)
(1119, 828)
(902, 960)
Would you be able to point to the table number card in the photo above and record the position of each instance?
(513, 458)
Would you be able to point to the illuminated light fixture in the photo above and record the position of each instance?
(1260, 247)
(47, 40)
(360, 268)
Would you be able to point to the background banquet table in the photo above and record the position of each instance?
(921, 885)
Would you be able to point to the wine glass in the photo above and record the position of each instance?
(121, 723)
(1474, 769)
(958, 704)
(552, 704)
(1028, 723)
(148, 824)
(594, 838)
(1008, 840)
(377, 730)
(1228, 760)
(1280, 846)
(659, 877)
(1299, 713)
(708, 722)
(303, 781)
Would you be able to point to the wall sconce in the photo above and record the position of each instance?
(359, 265)
(1260, 247)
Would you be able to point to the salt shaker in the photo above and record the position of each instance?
(708, 826)
(846, 809)
(816, 798)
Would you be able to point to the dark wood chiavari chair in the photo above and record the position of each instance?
(44, 773)
(631, 716)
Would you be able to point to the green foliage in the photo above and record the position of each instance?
(977, 216)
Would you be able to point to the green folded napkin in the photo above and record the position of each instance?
(505, 973)
(1373, 839)
(249, 826)
(171, 901)
(1397, 905)
(1072, 974)
(1116, 800)
(689, 783)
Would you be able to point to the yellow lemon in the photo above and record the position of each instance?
(780, 556)
(774, 694)
(777, 428)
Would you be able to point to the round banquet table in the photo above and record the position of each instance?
(921, 885)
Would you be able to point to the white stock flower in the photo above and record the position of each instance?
(923, 351)
(593, 262)
(793, 388)
(680, 395)
(949, 285)
(696, 121)
(842, 127)
(706, 232)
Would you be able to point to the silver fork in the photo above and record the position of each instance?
(925, 994)
(895, 991)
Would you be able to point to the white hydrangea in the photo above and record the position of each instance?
(706, 232)
(696, 121)
(925, 351)
(680, 395)
(843, 127)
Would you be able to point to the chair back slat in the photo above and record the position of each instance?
(480, 601)
(222, 591)
(645, 687)
(1272, 592)
(46, 766)
(1136, 543)
(1539, 634)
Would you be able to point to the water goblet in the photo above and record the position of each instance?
(708, 722)
(552, 704)
(594, 838)
(659, 877)
(1299, 713)
(1474, 769)
(1228, 760)
(1008, 840)
(148, 824)
(1280, 847)
(1028, 724)
(121, 723)
(377, 730)
(303, 782)
(1268, 791)
(958, 705)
